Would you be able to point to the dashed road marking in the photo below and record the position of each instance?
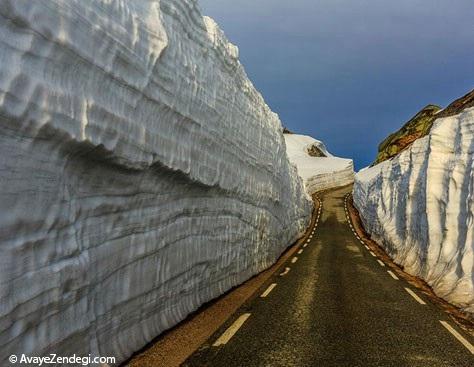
(268, 290)
(367, 247)
(392, 275)
(380, 262)
(286, 271)
(295, 259)
(300, 251)
(415, 296)
(230, 332)
(372, 254)
(306, 244)
(458, 336)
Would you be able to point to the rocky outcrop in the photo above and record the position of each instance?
(419, 205)
(142, 174)
(417, 127)
(318, 168)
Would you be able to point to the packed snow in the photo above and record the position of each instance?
(142, 174)
(318, 173)
(419, 206)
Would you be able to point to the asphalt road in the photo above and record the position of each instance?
(336, 306)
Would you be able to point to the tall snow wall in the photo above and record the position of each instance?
(420, 207)
(141, 173)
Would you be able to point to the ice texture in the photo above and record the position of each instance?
(318, 173)
(141, 173)
(419, 206)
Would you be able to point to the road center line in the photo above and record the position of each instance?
(230, 332)
(415, 296)
(367, 247)
(458, 336)
(372, 254)
(392, 275)
(268, 290)
(286, 271)
(295, 259)
(380, 262)
(306, 244)
(300, 251)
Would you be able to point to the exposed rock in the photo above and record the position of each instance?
(417, 127)
(458, 105)
(315, 151)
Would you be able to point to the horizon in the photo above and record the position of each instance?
(381, 65)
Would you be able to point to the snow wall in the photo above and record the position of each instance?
(142, 173)
(420, 207)
(318, 173)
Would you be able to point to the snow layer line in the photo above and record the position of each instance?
(142, 173)
(420, 206)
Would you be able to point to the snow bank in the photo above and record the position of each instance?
(318, 173)
(142, 173)
(420, 206)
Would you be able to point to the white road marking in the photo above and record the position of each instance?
(295, 259)
(230, 332)
(392, 275)
(458, 336)
(306, 244)
(286, 271)
(380, 262)
(307, 241)
(415, 296)
(268, 290)
(311, 236)
(300, 251)
(372, 254)
(367, 247)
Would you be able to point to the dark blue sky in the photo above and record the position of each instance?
(349, 72)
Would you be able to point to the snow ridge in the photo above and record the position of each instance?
(318, 173)
(143, 173)
(420, 206)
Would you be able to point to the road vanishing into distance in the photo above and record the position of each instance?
(336, 304)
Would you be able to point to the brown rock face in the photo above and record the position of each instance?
(419, 126)
(458, 105)
(314, 151)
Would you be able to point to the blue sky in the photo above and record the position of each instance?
(349, 72)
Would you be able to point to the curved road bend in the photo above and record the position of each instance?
(336, 305)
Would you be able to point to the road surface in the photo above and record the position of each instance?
(336, 304)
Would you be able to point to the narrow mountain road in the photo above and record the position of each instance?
(336, 304)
